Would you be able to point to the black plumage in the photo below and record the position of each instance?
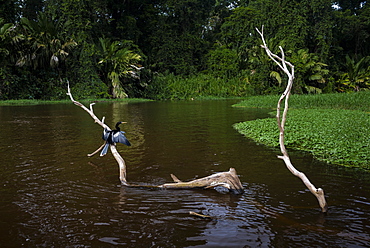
(113, 136)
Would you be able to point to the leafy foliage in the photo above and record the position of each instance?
(222, 62)
(311, 72)
(354, 101)
(174, 87)
(43, 43)
(117, 62)
(339, 136)
(57, 39)
(357, 76)
(5, 30)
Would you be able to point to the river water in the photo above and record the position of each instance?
(53, 195)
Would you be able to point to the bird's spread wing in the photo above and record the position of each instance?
(105, 134)
(119, 137)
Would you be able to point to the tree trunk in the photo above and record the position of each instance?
(285, 66)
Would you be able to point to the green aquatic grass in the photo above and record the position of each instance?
(42, 102)
(336, 136)
(28, 102)
(354, 101)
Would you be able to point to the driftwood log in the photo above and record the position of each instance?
(288, 69)
(229, 179)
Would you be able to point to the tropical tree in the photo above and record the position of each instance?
(351, 32)
(43, 44)
(30, 8)
(176, 42)
(222, 62)
(311, 73)
(5, 39)
(116, 63)
(9, 10)
(263, 75)
(357, 75)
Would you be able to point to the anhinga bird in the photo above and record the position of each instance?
(113, 136)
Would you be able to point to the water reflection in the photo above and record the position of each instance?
(52, 194)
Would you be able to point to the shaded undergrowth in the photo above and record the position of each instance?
(171, 87)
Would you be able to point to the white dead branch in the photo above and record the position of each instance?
(288, 69)
(229, 179)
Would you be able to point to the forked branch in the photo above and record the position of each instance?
(117, 156)
(89, 111)
(288, 69)
(229, 179)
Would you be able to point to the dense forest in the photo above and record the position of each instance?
(167, 49)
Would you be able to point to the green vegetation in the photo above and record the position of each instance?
(167, 49)
(42, 102)
(200, 86)
(353, 101)
(335, 128)
(187, 49)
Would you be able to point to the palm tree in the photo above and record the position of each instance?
(44, 43)
(116, 63)
(311, 72)
(5, 39)
(357, 76)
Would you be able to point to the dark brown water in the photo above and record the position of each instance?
(53, 195)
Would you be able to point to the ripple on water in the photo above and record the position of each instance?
(61, 198)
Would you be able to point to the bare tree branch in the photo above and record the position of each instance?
(89, 111)
(201, 215)
(117, 156)
(229, 180)
(288, 69)
(98, 150)
(121, 164)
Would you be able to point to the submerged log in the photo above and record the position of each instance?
(229, 179)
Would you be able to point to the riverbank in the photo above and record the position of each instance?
(41, 102)
(335, 128)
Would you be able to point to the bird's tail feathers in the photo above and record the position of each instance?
(105, 149)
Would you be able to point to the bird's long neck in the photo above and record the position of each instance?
(117, 126)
